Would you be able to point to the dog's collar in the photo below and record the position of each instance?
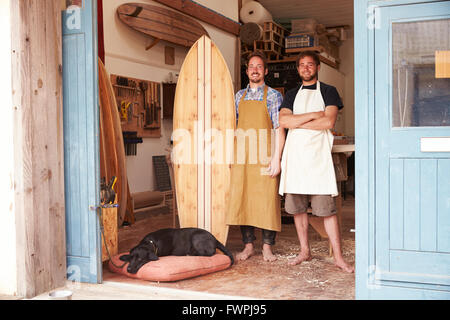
(154, 247)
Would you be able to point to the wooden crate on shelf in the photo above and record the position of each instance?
(246, 49)
(272, 50)
(275, 28)
(274, 33)
(272, 43)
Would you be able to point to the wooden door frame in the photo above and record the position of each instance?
(37, 97)
(38, 146)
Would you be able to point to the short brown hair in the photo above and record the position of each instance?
(309, 53)
(260, 55)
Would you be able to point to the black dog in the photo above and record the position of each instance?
(173, 242)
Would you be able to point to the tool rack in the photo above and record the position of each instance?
(139, 105)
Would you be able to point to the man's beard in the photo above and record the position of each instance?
(309, 78)
(255, 80)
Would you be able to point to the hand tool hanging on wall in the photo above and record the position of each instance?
(158, 103)
(155, 103)
(154, 110)
(124, 106)
(144, 88)
(151, 102)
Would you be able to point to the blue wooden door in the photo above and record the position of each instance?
(81, 142)
(412, 151)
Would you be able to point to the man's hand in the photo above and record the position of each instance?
(274, 168)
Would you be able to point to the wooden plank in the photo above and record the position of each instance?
(412, 204)
(203, 14)
(291, 59)
(201, 134)
(169, 55)
(110, 233)
(396, 190)
(428, 208)
(443, 218)
(184, 136)
(38, 145)
(223, 120)
(207, 136)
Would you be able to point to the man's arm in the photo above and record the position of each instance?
(289, 120)
(323, 123)
(275, 163)
(280, 136)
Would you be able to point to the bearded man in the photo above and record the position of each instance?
(254, 199)
(307, 172)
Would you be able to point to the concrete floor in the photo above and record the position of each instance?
(317, 279)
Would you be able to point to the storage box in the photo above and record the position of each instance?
(303, 25)
(301, 41)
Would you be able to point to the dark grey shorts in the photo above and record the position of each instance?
(321, 205)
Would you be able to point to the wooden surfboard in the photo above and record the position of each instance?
(161, 23)
(112, 150)
(204, 116)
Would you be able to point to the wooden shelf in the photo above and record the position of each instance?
(322, 59)
(298, 50)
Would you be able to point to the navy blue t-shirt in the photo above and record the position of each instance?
(329, 94)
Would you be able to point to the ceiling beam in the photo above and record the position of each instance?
(204, 14)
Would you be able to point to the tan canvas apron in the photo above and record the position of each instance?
(307, 164)
(254, 200)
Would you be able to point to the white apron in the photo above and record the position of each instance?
(307, 163)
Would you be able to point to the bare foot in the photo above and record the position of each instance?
(344, 266)
(267, 253)
(246, 253)
(300, 258)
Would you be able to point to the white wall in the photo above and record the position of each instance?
(343, 79)
(8, 274)
(126, 56)
(334, 77)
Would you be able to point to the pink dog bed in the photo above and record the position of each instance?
(173, 268)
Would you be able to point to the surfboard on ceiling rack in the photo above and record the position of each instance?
(204, 117)
(161, 23)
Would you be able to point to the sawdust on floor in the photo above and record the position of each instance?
(317, 279)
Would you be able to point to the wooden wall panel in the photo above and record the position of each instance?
(38, 145)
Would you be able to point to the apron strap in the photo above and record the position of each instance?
(266, 89)
(243, 96)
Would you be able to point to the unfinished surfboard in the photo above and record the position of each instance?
(203, 124)
(112, 151)
(161, 23)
